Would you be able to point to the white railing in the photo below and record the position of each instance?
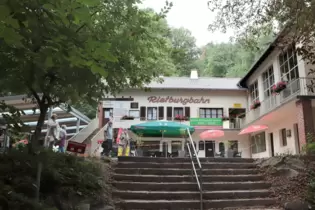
(85, 132)
(95, 143)
(300, 86)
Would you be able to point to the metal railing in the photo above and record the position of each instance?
(298, 87)
(198, 178)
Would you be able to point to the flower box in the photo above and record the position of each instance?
(127, 118)
(255, 105)
(181, 118)
(279, 86)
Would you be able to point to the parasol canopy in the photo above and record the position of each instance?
(161, 129)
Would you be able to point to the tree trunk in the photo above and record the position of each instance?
(40, 122)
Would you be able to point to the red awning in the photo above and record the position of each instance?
(253, 129)
(211, 134)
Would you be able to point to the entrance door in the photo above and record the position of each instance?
(210, 148)
(272, 144)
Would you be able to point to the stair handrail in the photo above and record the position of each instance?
(198, 179)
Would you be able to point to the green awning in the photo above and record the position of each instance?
(161, 128)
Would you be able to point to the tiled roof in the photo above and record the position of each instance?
(214, 83)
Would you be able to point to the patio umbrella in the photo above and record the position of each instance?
(211, 134)
(253, 129)
(161, 129)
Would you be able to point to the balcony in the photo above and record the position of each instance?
(298, 87)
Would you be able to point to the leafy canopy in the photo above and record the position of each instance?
(252, 18)
(64, 51)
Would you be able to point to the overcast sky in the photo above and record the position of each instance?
(193, 15)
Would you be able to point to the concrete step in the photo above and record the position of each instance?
(190, 186)
(205, 165)
(180, 160)
(171, 171)
(191, 195)
(186, 178)
(193, 204)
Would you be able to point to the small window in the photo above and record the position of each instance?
(201, 145)
(283, 135)
(134, 113)
(134, 105)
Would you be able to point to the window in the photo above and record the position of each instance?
(258, 143)
(268, 81)
(201, 145)
(253, 89)
(152, 113)
(134, 113)
(289, 65)
(134, 105)
(211, 113)
(178, 111)
(169, 113)
(283, 135)
(221, 147)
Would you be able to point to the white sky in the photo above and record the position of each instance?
(193, 15)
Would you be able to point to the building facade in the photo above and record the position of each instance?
(199, 102)
(288, 113)
(259, 98)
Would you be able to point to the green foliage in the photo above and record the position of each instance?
(71, 178)
(309, 147)
(184, 51)
(67, 51)
(87, 109)
(250, 19)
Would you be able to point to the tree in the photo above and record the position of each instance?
(184, 52)
(66, 51)
(252, 18)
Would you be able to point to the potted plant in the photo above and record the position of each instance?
(255, 105)
(225, 118)
(181, 118)
(126, 117)
(279, 86)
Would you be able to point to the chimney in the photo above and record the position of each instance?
(194, 74)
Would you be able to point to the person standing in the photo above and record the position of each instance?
(108, 139)
(52, 131)
(63, 138)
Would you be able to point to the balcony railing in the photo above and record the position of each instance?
(297, 87)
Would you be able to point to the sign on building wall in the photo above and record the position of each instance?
(178, 100)
(206, 121)
(237, 105)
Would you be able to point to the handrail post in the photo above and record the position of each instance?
(199, 180)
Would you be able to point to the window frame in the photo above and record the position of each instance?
(211, 113)
(258, 149)
(175, 109)
(288, 64)
(268, 81)
(254, 92)
(138, 116)
(156, 113)
(134, 103)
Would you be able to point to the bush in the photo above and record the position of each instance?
(66, 180)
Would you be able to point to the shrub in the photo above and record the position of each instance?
(66, 180)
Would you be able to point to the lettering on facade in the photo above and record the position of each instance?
(178, 100)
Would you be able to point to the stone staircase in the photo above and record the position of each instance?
(161, 183)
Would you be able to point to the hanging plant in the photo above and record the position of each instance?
(278, 87)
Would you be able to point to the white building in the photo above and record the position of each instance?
(289, 114)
